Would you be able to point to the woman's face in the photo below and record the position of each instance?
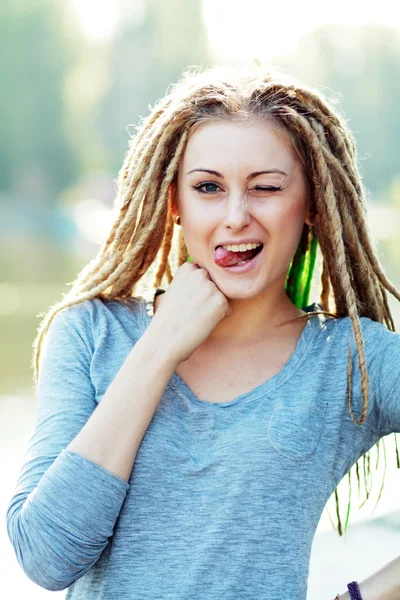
(238, 183)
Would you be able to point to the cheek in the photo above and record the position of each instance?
(285, 225)
(197, 221)
(292, 216)
(196, 230)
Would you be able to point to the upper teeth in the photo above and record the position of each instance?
(242, 247)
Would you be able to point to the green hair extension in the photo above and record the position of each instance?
(300, 275)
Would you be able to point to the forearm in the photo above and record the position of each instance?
(382, 585)
(112, 435)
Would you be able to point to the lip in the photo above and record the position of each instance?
(248, 266)
(238, 242)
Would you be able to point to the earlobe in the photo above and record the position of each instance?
(310, 219)
(309, 222)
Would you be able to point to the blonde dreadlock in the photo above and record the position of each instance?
(143, 227)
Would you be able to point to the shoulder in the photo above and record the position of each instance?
(379, 336)
(373, 332)
(338, 332)
(370, 329)
(98, 307)
(91, 318)
(376, 337)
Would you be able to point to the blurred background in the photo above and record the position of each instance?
(76, 78)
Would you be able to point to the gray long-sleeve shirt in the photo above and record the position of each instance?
(224, 497)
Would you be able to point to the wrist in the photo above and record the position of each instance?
(158, 348)
(365, 595)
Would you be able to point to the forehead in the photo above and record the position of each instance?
(220, 142)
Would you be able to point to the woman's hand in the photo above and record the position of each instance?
(189, 311)
(382, 585)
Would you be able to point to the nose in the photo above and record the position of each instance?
(237, 214)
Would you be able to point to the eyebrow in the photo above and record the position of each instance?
(255, 174)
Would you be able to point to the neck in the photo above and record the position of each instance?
(255, 318)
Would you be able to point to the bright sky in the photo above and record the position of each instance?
(254, 28)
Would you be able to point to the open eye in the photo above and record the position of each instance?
(206, 187)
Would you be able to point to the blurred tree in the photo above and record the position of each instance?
(361, 64)
(36, 157)
(151, 51)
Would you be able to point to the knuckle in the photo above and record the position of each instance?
(203, 272)
(188, 266)
(222, 301)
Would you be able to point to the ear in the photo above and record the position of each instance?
(310, 216)
(309, 220)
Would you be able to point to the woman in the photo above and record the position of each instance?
(185, 445)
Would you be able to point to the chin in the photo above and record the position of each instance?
(240, 290)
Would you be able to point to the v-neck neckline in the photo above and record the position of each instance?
(294, 362)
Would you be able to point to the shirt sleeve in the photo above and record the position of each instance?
(65, 506)
(383, 350)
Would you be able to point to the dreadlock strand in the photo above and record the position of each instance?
(101, 266)
(168, 272)
(334, 124)
(152, 236)
(306, 103)
(337, 236)
(366, 284)
(150, 169)
(360, 224)
(166, 247)
(339, 521)
(126, 235)
(167, 113)
(348, 502)
(326, 287)
(387, 312)
(154, 143)
(397, 451)
(93, 272)
(182, 249)
(323, 233)
(114, 270)
(322, 224)
(148, 129)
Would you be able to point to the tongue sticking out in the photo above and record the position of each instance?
(226, 258)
